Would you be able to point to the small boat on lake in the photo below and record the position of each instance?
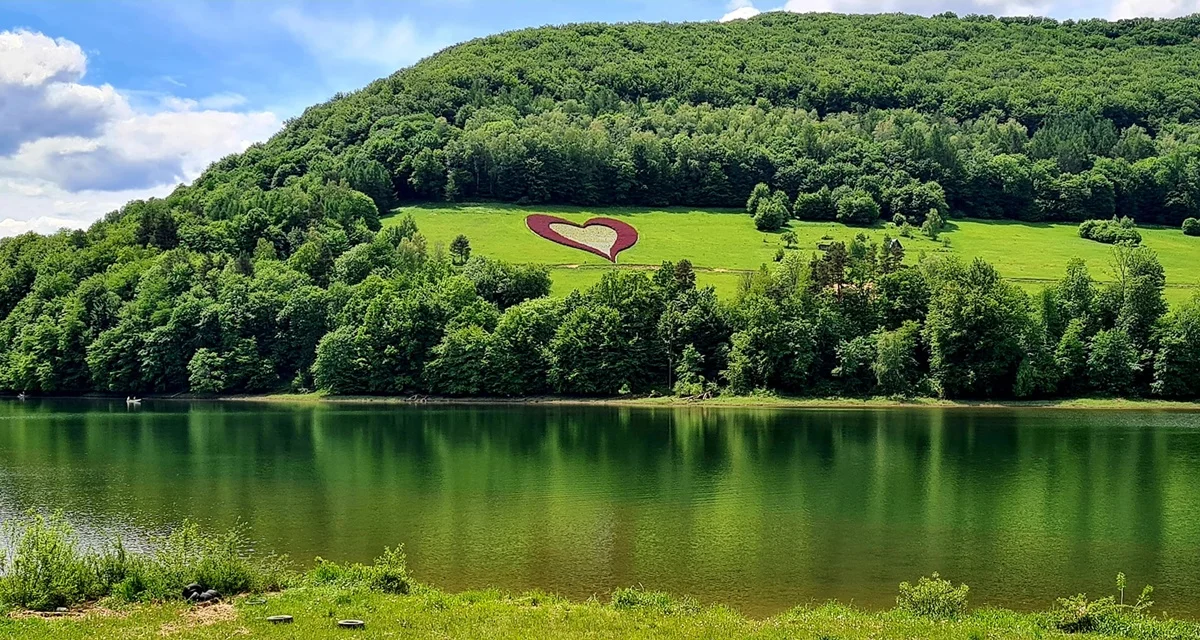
(132, 402)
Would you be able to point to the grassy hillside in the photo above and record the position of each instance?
(723, 243)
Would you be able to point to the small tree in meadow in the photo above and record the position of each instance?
(460, 249)
(1191, 227)
(933, 225)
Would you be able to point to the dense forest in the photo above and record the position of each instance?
(1019, 118)
(271, 270)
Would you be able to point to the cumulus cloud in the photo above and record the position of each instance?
(739, 10)
(105, 169)
(71, 151)
(139, 151)
(39, 91)
(1115, 9)
(28, 204)
(1153, 8)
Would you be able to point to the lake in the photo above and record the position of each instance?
(760, 509)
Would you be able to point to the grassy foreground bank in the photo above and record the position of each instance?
(429, 613)
(52, 587)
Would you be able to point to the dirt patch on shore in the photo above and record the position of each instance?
(201, 616)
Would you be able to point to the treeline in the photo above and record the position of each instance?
(1067, 168)
(389, 315)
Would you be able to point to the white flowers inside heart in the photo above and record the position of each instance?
(596, 236)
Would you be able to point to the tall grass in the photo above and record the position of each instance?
(389, 573)
(933, 597)
(44, 566)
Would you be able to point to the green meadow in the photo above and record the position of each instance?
(723, 243)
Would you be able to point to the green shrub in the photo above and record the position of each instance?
(761, 191)
(933, 598)
(1077, 614)
(388, 574)
(45, 567)
(933, 225)
(221, 562)
(1107, 616)
(690, 381)
(857, 206)
(818, 205)
(1110, 231)
(772, 213)
(42, 565)
(638, 598)
(1191, 227)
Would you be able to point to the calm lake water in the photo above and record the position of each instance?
(757, 509)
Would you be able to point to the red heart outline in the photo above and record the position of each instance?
(627, 236)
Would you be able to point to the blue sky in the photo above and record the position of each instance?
(101, 102)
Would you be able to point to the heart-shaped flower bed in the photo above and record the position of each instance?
(604, 237)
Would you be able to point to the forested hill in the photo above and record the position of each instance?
(1017, 117)
(272, 267)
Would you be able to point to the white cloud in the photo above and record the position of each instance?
(1153, 8)
(385, 45)
(70, 151)
(41, 224)
(817, 6)
(33, 59)
(1116, 9)
(142, 150)
(33, 205)
(40, 94)
(217, 101)
(739, 10)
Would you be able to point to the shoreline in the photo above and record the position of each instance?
(427, 612)
(720, 402)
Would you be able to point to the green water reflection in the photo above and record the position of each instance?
(758, 509)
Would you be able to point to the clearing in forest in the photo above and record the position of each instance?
(723, 244)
